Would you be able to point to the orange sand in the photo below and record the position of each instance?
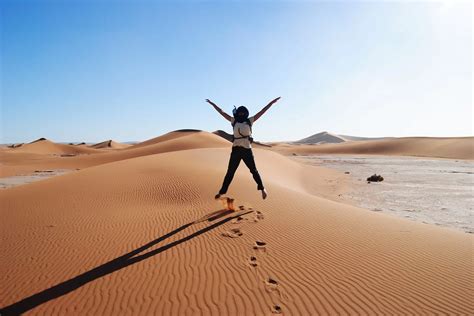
(137, 232)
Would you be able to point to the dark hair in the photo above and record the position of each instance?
(241, 109)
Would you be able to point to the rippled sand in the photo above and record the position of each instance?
(137, 231)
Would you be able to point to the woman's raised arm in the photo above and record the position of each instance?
(218, 109)
(257, 116)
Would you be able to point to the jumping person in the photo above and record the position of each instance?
(242, 144)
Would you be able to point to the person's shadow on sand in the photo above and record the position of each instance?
(121, 262)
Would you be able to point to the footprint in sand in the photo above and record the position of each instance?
(272, 285)
(260, 245)
(253, 261)
(258, 216)
(232, 233)
(238, 220)
(276, 309)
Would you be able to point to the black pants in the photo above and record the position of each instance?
(245, 154)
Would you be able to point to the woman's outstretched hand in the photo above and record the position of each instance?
(275, 100)
(213, 104)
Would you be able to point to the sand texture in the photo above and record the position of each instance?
(137, 231)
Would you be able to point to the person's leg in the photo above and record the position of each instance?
(250, 163)
(234, 162)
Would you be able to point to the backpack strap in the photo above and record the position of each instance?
(241, 135)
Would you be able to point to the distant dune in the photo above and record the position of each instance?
(331, 138)
(46, 154)
(173, 141)
(321, 138)
(165, 137)
(447, 147)
(109, 144)
(45, 146)
(357, 138)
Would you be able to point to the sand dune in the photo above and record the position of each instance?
(110, 144)
(358, 138)
(331, 138)
(175, 141)
(321, 138)
(167, 136)
(47, 147)
(144, 236)
(449, 147)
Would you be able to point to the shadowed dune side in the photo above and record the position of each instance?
(314, 256)
(450, 147)
(223, 134)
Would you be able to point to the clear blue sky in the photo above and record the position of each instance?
(132, 70)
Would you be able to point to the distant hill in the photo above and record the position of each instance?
(45, 146)
(330, 138)
(321, 138)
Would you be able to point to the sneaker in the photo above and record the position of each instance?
(264, 194)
